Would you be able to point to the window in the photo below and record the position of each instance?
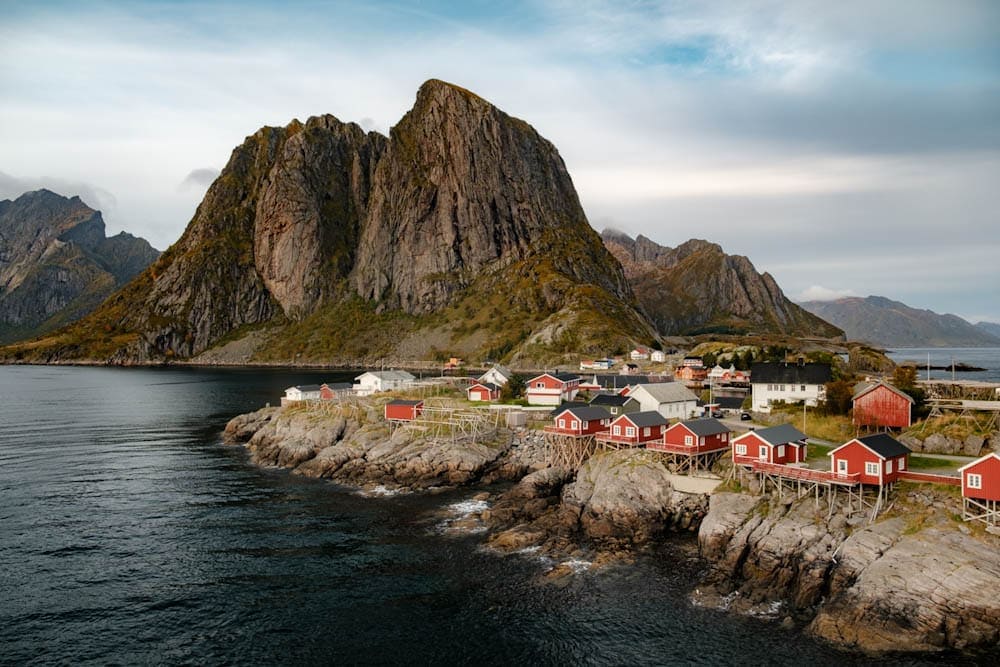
(540, 385)
(782, 387)
(871, 468)
(572, 423)
(762, 452)
(688, 440)
(585, 425)
(803, 387)
(974, 481)
(741, 449)
(630, 431)
(902, 465)
(646, 431)
(781, 451)
(793, 387)
(841, 466)
(888, 466)
(618, 430)
(725, 437)
(614, 411)
(562, 423)
(701, 441)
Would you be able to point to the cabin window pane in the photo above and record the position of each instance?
(725, 436)
(562, 423)
(618, 430)
(646, 431)
(902, 464)
(781, 451)
(688, 440)
(741, 449)
(629, 431)
(871, 468)
(974, 481)
(888, 466)
(586, 424)
(803, 387)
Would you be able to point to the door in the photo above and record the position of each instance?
(842, 466)
(762, 453)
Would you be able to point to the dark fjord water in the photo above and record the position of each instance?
(987, 358)
(130, 534)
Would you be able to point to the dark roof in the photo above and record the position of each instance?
(400, 401)
(587, 413)
(488, 385)
(567, 405)
(790, 373)
(884, 445)
(337, 386)
(610, 399)
(781, 434)
(646, 418)
(703, 427)
(729, 402)
(307, 387)
(565, 377)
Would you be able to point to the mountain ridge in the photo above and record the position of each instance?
(696, 287)
(56, 264)
(883, 321)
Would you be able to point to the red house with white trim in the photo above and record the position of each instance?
(777, 444)
(552, 388)
(636, 428)
(483, 391)
(403, 411)
(696, 436)
(981, 478)
(579, 421)
(882, 406)
(878, 458)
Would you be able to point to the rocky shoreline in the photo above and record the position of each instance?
(917, 581)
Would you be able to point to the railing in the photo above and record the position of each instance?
(683, 449)
(568, 431)
(807, 474)
(623, 439)
(932, 478)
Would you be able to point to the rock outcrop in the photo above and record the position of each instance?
(327, 235)
(56, 265)
(696, 287)
(905, 583)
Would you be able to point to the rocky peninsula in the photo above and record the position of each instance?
(917, 580)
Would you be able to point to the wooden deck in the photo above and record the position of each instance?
(805, 474)
(684, 450)
(910, 476)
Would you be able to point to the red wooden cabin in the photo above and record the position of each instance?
(881, 405)
(636, 428)
(583, 420)
(483, 391)
(777, 444)
(402, 410)
(981, 478)
(696, 436)
(878, 458)
(552, 388)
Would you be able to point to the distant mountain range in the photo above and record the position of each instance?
(878, 320)
(56, 265)
(697, 288)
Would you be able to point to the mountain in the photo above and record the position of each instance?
(459, 233)
(697, 288)
(878, 320)
(56, 265)
(991, 328)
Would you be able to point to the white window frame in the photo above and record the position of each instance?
(646, 432)
(725, 437)
(974, 481)
(902, 464)
(688, 441)
(618, 429)
(741, 449)
(841, 466)
(762, 452)
(630, 431)
(781, 451)
(888, 467)
(573, 423)
(562, 423)
(584, 425)
(871, 468)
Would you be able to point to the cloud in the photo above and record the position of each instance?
(12, 187)
(199, 179)
(820, 293)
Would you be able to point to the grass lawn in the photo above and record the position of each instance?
(920, 462)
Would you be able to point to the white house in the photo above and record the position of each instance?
(552, 388)
(789, 382)
(670, 399)
(498, 375)
(639, 354)
(658, 356)
(303, 392)
(372, 382)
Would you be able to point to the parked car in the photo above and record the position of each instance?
(745, 417)
(717, 414)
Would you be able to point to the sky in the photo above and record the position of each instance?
(848, 148)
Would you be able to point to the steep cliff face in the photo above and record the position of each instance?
(460, 231)
(56, 264)
(697, 287)
(465, 187)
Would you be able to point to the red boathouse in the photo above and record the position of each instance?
(483, 391)
(403, 411)
(878, 458)
(636, 428)
(777, 444)
(882, 406)
(695, 436)
(579, 421)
